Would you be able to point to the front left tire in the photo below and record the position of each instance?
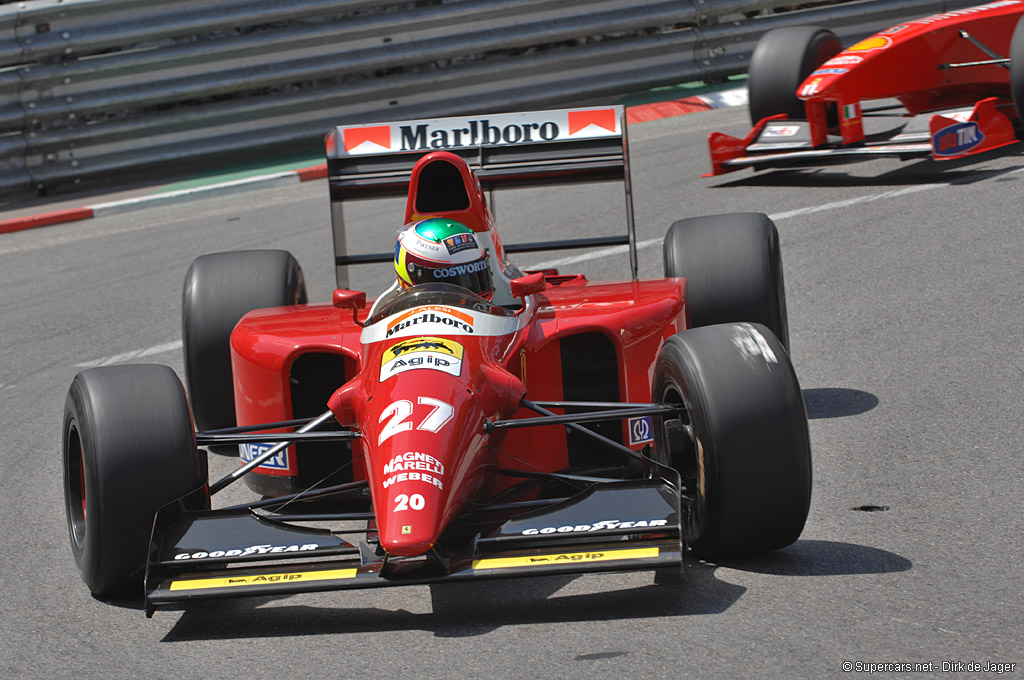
(746, 460)
(732, 264)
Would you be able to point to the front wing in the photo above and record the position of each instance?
(612, 526)
(945, 135)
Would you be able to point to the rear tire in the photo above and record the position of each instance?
(220, 289)
(748, 462)
(1017, 70)
(782, 60)
(129, 449)
(733, 268)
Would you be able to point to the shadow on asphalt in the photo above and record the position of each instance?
(475, 609)
(837, 402)
(466, 609)
(922, 171)
(823, 558)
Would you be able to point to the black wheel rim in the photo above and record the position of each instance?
(75, 496)
(685, 460)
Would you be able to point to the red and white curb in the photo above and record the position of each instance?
(634, 114)
(681, 107)
(128, 204)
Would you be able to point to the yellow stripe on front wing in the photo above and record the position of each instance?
(565, 558)
(261, 579)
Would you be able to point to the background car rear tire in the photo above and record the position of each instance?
(129, 449)
(733, 267)
(782, 59)
(1017, 69)
(749, 460)
(220, 289)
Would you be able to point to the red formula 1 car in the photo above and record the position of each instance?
(563, 425)
(958, 78)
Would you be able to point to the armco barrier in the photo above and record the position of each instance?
(101, 88)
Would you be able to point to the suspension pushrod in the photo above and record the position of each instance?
(274, 437)
(570, 418)
(268, 454)
(984, 48)
(589, 404)
(584, 431)
(988, 62)
(302, 496)
(323, 517)
(299, 422)
(561, 476)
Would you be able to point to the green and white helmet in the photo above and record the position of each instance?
(439, 250)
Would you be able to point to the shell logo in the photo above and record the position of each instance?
(878, 42)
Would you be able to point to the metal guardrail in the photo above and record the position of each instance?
(93, 89)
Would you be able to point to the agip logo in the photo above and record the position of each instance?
(439, 354)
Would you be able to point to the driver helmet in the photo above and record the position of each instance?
(439, 250)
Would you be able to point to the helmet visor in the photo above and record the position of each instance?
(475, 275)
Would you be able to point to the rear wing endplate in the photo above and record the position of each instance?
(536, 148)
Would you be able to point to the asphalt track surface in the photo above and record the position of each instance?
(904, 285)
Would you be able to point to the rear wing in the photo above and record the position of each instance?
(536, 148)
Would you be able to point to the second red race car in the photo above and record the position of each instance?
(957, 80)
(474, 421)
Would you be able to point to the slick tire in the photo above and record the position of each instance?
(1017, 69)
(782, 59)
(220, 289)
(733, 270)
(747, 466)
(128, 450)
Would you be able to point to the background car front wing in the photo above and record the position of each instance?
(942, 135)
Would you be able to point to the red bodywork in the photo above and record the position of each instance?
(424, 449)
(909, 62)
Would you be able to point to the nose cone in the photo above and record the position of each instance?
(414, 499)
(424, 445)
(425, 451)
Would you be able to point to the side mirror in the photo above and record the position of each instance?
(529, 284)
(349, 299)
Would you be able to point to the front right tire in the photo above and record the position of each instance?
(129, 449)
(220, 288)
(1017, 69)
